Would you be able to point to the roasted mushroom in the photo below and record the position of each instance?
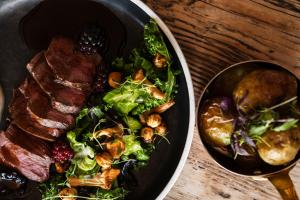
(217, 122)
(114, 79)
(117, 130)
(68, 194)
(103, 180)
(105, 160)
(151, 88)
(116, 147)
(264, 88)
(154, 91)
(279, 148)
(159, 109)
(61, 167)
(160, 61)
(161, 130)
(108, 176)
(143, 117)
(147, 134)
(162, 108)
(138, 75)
(153, 120)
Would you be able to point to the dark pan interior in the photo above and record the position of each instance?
(27, 27)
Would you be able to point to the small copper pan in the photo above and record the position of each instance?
(223, 84)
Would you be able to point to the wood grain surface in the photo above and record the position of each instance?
(213, 35)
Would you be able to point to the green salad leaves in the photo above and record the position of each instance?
(133, 97)
(84, 157)
(123, 99)
(133, 147)
(154, 40)
(269, 119)
(50, 189)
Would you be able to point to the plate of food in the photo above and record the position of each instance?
(96, 101)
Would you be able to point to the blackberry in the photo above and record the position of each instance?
(92, 40)
(61, 151)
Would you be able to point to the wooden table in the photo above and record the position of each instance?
(214, 34)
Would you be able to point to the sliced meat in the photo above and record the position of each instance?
(73, 69)
(63, 98)
(25, 153)
(39, 107)
(21, 117)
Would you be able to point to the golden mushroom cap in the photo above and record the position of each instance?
(154, 120)
(147, 134)
(68, 194)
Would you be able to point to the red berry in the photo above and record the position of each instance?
(61, 151)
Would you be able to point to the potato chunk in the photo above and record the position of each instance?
(279, 148)
(217, 125)
(264, 88)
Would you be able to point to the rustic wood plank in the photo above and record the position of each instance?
(215, 34)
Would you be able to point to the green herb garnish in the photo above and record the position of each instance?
(269, 119)
(154, 40)
(290, 123)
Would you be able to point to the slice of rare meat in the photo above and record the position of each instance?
(72, 68)
(39, 107)
(22, 118)
(25, 153)
(63, 98)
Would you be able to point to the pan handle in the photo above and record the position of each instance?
(284, 185)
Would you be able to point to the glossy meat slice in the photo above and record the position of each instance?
(64, 99)
(22, 118)
(72, 68)
(39, 106)
(25, 153)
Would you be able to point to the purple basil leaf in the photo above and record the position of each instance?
(129, 165)
(235, 123)
(242, 121)
(237, 147)
(247, 139)
(226, 104)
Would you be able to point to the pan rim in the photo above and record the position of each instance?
(188, 78)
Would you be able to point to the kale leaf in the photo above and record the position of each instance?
(154, 40)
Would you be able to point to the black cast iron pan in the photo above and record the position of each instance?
(27, 26)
